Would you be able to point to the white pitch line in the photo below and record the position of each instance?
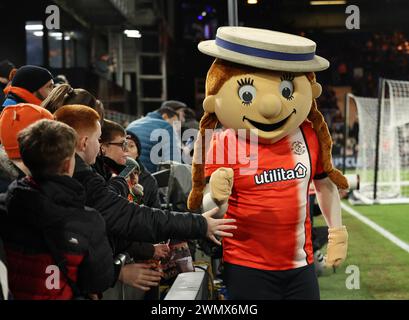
(401, 244)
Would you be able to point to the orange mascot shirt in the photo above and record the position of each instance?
(269, 199)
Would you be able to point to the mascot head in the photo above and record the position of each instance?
(262, 81)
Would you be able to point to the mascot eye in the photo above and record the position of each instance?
(287, 89)
(247, 93)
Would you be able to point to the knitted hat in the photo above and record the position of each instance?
(134, 138)
(14, 119)
(5, 68)
(31, 78)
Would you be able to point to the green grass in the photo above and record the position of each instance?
(384, 267)
(394, 218)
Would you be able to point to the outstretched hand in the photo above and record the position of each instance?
(217, 227)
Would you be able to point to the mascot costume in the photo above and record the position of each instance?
(263, 82)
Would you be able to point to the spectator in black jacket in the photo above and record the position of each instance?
(124, 219)
(112, 162)
(12, 121)
(29, 84)
(47, 224)
(148, 182)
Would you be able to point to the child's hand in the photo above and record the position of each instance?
(161, 251)
(215, 227)
(140, 275)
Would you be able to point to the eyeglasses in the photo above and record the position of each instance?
(123, 144)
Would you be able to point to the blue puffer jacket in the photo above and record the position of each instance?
(164, 140)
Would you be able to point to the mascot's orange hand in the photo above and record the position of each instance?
(337, 246)
(221, 183)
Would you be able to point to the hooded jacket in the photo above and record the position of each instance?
(142, 128)
(52, 210)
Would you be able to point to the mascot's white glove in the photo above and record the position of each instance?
(221, 184)
(337, 246)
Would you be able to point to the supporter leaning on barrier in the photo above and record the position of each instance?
(111, 162)
(124, 219)
(47, 223)
(12, 121)
(129, 220)
(29, 84)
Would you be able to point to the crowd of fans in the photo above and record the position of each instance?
(65, 201)
(366, 57)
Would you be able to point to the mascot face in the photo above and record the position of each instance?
(269, 102)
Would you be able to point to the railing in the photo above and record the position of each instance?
(189, 286)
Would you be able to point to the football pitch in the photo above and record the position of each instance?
(383, 266)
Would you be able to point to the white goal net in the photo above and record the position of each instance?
(390, 177)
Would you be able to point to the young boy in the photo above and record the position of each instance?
(56, 247)
(124, 219)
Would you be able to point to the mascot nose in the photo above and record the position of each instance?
(270, 106)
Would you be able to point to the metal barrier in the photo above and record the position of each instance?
(190, 286)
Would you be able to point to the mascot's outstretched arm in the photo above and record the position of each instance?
(329, 202)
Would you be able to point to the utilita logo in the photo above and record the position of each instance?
(280, 174)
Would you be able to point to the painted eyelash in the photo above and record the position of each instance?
(287, 76)
(290, 98)
(245, 81)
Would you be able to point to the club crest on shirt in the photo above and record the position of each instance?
(298, 148)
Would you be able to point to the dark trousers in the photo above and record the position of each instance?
(245, 283)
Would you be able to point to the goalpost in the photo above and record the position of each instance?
(383, 144)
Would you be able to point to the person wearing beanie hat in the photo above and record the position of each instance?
(31, 84)
(5, 69)
(146, 179)
(14, 119)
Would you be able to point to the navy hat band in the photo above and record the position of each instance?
(262, 53)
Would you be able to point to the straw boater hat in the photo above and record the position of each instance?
(264, 49)
(271, 50)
